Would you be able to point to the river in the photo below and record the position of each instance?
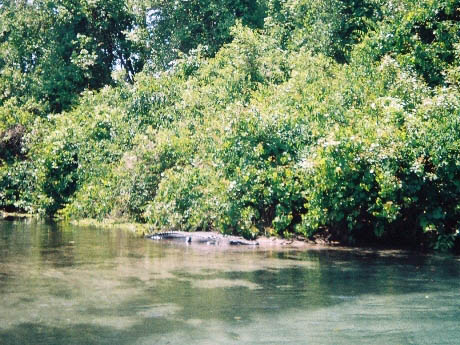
(76, 285)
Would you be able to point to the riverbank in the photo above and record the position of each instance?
(296, 242)
(211, 237)
(222, 240)
(144, 230)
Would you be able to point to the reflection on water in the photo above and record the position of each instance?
(68, 285)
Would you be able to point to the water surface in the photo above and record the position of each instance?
(70, 285)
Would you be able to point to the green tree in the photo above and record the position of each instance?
(175, 27)
(51, 50)
(327, 27)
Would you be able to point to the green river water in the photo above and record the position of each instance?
(71, 285)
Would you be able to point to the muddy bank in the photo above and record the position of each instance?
(208, 237)
(220, 240)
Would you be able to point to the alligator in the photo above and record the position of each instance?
(209, 238)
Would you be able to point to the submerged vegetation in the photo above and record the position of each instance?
(339, 117)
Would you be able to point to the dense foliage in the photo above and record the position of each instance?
(250, 117)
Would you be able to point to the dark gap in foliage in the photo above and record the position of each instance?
(11, 143)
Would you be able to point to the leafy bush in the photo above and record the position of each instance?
(186, 199)
(16, 186)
